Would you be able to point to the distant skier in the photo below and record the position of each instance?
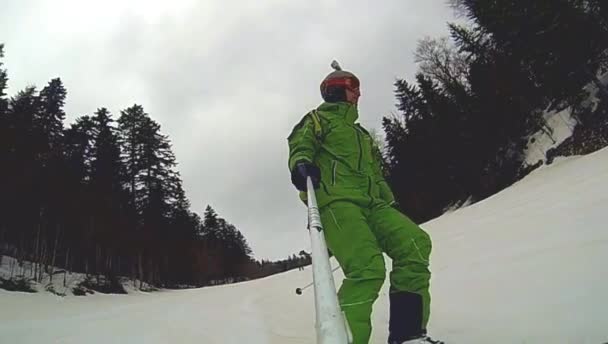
(356, 206)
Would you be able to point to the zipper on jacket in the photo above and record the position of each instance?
(333, 172)
(360, 148)
(369, 191)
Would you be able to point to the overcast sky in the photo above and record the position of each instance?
(227, 80)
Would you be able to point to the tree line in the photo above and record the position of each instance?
(103, 196)
(462, 126)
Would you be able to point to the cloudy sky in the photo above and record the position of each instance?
(227, 80)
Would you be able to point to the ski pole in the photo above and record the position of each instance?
(300, 290)
(331, 325)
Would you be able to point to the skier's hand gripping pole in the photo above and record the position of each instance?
(331, 325)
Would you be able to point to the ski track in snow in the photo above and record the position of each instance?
(525, 266)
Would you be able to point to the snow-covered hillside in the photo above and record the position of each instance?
(528, 265)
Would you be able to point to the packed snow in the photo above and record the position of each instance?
(528, 265)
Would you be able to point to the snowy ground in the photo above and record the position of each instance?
(10, 264)
(528, 265)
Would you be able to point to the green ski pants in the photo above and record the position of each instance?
(357, 237)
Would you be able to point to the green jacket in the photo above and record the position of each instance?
(349, 160)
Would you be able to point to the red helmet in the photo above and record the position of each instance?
(339, 78)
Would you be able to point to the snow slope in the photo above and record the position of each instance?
(528, 265)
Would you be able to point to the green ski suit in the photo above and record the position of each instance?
(360, 223)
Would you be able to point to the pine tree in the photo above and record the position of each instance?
(106, 164)
(544, 39)
(79, 139)
(5, 142)
(52, 100)
(110, 202)
(130, 124)
(210, 223)
(3, 83)
(52, 180)
(79, 154)
(186, 223)
(149, 165)
(22, 171)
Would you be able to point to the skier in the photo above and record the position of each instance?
(357, 210)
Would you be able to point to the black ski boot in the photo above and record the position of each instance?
(405, 324)
(421, 340)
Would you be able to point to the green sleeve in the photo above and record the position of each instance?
(303, 144)
(385, 190)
